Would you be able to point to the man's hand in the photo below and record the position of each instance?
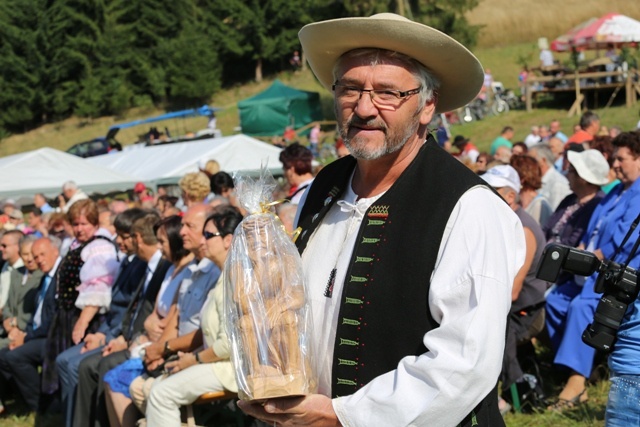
(93, 341)
(16, 338)
(7, 323)
(312, 410)
(154, 352)
(116, 344)
(184, 361)
(78, 331)
(154, 326)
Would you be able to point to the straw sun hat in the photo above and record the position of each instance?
(458, 70)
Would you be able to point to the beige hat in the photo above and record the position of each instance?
(460, 73)
(590, 166)
(16, 214)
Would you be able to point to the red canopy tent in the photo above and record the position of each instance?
(597, 32)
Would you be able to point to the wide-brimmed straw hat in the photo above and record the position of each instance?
(460, 73)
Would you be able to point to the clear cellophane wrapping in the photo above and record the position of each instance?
(268, 318)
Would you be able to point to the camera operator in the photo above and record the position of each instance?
(624, 361)
(571, 305)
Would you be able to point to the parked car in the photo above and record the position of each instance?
(96, 146)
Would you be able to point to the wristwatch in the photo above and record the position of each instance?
(198, 358)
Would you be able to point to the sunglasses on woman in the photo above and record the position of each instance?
(208, 235)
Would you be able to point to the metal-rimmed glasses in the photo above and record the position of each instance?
(209, 235)
(386, 99)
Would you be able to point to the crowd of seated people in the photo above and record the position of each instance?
(98, 298)
(581, 191)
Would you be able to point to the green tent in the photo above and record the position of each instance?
(269, 112)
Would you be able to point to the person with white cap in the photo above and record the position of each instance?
(526, 317)
(572, 303)
(409, 257)
(588, 170)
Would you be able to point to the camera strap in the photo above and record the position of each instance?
(634, 249)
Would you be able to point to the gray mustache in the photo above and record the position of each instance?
(356, 121)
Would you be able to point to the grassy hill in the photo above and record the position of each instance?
(523, 21)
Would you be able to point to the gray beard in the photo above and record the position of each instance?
(393, 141)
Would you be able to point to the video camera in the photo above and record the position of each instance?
(617, 282)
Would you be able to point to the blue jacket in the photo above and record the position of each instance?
(625, 358)
(616, 212)
(121, 295)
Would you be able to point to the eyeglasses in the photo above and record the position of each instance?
(386, 99)
(209, 235)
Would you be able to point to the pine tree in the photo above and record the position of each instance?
(143, 27)
(263, 31)
(192, 68)
(19, 65)
(70, 32)
(448, 16)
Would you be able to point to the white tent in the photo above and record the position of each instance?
(46, 169)
(166, 164)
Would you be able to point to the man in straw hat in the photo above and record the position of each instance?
(409, 257)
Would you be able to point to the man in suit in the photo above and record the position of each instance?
(24, 285)
(12, 261)
(90, 406)
(24, 355)
(132, 270)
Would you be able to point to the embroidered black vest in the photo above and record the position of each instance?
(69, 276)
(384, 311)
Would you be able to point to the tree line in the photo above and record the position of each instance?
(100, 57)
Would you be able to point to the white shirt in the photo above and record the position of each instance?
(296, 199)
(151, 268)
(5, 280)
(555, 187)
(470, 296)
(546, 58)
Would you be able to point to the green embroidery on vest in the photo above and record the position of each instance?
(346, 382)
(474, 419)
(353, 301)
(370, 240)
(363, 259)
(358, 279)
(344, 341)
(347, 362)
(375, 222)
(351, 322)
